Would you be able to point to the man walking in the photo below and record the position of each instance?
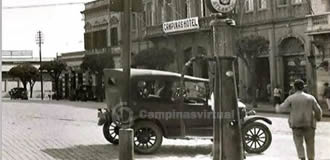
(326, 94)
(304, 112)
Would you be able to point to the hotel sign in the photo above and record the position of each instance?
(181, 25)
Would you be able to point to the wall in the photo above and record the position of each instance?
(320, 6)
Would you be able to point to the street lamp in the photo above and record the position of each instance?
(39, 41)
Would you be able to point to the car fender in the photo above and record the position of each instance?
(250, 119)
(104, 116)
(157, 122)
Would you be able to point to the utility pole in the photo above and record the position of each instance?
(125, 133)
(40, 40)
(126, 146)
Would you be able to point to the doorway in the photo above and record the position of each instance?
(294, 62)
(263, 79)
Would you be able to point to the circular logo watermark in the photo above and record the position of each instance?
(121, 114)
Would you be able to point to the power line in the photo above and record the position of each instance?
(42, 5)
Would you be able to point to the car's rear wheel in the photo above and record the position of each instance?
(111, 132)
(256, 137)
(148, 137)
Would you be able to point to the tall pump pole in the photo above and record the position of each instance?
(39, 41)
(227, 130)
(227, 144)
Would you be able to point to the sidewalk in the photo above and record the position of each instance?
(269, 108)
(87, 104)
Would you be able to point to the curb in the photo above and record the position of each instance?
(269, 111)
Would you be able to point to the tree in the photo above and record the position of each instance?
(27, 73)
(34, 76)
(54, 68)
(154, 58)
(248, 50)
(95, 64)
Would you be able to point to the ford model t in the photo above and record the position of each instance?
(158, 110)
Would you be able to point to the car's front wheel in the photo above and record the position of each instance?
(256, 137)
(148, 137)
(111, 132)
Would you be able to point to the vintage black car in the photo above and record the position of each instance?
(159, 108)
(18, 93)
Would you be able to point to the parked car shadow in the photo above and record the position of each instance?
(109, 151)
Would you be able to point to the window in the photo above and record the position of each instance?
(195, 92)
(296, 1)
(156, 90)
(134, 21)
(114, 36)
(187, 11)
(282, 2)
(100, 39)
(249, 6)
(160, 11)
(149, 14)
(169, 11)
(203, 9)
(262, 4)
(144, 18)
(88, 41)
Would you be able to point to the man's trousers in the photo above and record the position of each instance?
(307, 134)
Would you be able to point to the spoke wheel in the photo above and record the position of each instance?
(257, 137)
(148, 137)
(111, 132)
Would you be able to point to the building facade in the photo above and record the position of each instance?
(103, 31)
(287, 24)
(11, 58)
(282, 22)
(318, 31)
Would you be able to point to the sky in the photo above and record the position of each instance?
(62, 26)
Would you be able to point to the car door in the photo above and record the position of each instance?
(149, 103)
(198, 115)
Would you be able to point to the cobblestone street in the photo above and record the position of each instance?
(68, 131)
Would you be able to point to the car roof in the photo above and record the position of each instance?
(150, 72)
(18, 88)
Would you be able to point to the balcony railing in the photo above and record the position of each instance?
(319, 23)
(157, 30)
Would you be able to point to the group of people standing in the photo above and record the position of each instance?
(304, 111)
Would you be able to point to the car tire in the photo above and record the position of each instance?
(256, 137)
(111, 132)
(148, 137)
